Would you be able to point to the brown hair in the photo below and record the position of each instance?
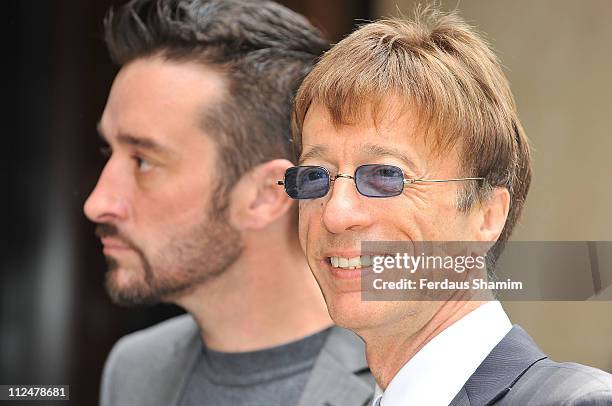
(440, 66)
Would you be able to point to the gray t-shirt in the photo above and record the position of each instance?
(272, 377)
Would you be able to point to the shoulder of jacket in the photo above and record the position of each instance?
(155, 341)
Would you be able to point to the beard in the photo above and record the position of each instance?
(186, 259)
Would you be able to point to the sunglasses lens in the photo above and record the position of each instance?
(306, 182)
(379, 180)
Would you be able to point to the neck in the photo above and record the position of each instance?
(268, 297)
(389, 348)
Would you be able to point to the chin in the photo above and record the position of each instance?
(127, 287)
(351, 312)
(124, 278)
(347, 310)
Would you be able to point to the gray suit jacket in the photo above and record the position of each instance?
(516, 372)
(151, 367)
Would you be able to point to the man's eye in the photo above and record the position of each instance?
(315, 175)
(388, 173)
(143, 164)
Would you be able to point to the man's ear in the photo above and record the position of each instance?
(257, 200)
(493, 214)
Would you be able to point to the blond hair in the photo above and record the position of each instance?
(446, 72)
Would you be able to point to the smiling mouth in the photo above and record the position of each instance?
(358, 262)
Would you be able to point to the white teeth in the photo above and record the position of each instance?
(351, 263)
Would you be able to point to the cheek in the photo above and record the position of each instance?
(443, 221)
(309, 220)
(165, 216)
(178, 209)
(303, 223)
(424, 215)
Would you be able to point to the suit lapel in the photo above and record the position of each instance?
(184, 356)
(508, 361)
(334, 379)
(461, 399)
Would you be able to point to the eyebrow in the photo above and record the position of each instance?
(374, 150)
(136, 141)
(318, 151)
(368, 150)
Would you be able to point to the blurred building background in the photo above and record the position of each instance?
(56, 322)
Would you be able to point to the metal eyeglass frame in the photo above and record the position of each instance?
(407, 181)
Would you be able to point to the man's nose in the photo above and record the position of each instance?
(107, 202)
(346, 209)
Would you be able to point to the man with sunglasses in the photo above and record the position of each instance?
(198, 129)
(407, 131)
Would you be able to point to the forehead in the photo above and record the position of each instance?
(393, 131)
(160, 99)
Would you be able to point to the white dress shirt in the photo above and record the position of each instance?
(435, 374)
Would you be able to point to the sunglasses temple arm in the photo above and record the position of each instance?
(410, 181)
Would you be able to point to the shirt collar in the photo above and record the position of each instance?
(438, 371)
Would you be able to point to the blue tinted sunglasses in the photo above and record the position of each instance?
(373, 180)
